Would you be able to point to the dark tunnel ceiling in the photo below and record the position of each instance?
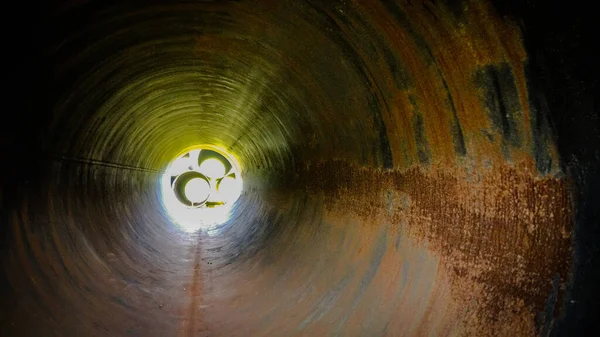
(409, 170)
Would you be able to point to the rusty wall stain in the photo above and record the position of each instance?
(501, 233)
(441, 55)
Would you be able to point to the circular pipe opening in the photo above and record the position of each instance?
(199, 188)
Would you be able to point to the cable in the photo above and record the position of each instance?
(104, 163)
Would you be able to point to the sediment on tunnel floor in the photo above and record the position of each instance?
(401, 176)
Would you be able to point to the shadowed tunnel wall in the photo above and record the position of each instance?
(408, 169)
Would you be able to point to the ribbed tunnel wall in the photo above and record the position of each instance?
(402, 176)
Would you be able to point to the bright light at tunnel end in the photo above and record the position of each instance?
(199, 188)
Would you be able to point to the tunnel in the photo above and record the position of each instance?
(406, 168)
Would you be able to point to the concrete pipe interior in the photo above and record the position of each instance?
(410, 168)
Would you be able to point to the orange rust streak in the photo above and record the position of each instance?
(462, 46)
(500, 233)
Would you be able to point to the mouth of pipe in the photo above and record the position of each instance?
(199, 188)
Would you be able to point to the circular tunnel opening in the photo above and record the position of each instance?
(199, 188)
